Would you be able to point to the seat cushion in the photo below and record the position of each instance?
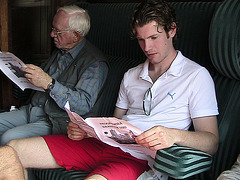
(58, 174)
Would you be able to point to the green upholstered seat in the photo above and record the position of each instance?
(118, 66)
(224, 42)
(224, 48)
(58, 174)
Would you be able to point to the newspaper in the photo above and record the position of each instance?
(11, 67)
(110, 130)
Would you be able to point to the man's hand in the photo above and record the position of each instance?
(156, 138)
(37, 76)
(74, 132)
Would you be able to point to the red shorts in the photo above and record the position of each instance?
(96, 157)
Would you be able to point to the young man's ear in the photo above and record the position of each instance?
(173, 30)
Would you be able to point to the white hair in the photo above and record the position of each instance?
(79, 20)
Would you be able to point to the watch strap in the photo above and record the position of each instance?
(50, 86)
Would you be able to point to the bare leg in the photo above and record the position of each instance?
(96, 177)
(34, 153)
(10, 166)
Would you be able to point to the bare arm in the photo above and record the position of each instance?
(118, 112)
(204, 138)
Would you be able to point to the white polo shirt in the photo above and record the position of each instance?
(184, 92)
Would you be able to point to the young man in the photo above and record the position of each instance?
(75, 72)
(162, 96)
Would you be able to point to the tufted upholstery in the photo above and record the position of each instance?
(224, 42)
(209, 34)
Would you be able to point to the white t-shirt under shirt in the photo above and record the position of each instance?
(184, 92)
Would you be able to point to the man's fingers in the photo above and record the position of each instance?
(31, 66)
(146, 136)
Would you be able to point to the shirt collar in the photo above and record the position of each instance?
(144, 72)
(74, 51)
(177, 65)
(175, 68)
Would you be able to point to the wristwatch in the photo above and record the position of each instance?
(50, 86)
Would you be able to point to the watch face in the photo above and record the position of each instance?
(51, 86)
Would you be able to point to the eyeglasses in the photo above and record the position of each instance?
(59, 32)
(147, 102)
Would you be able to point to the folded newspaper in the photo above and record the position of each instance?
(11, 67)
(110, 130)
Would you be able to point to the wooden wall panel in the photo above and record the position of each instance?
(25, 31)
(6, 97)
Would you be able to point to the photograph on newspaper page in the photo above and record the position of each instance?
(11, 65)
(118, 133)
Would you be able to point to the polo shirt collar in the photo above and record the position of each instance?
(175, 68)
(144, 72)
(177, 65)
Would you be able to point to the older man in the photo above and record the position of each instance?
(75, 72)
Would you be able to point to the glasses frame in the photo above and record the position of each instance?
(59, 32)
(147, 93)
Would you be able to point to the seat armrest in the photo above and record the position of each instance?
(181, 162)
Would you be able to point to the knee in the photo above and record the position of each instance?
(7, 137)
(11, 134)
(4, 140)
(96, 177)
